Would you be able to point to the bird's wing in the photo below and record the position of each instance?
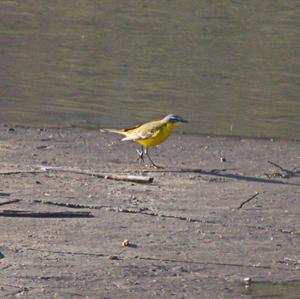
(131, 129)
(149, 130)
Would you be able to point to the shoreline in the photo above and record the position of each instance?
(176, 132)
(199, 228)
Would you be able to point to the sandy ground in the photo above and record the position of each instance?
(188, 236)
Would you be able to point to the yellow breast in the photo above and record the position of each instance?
(158, 137)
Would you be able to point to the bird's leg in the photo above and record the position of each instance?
(141, 155)
(153, 164)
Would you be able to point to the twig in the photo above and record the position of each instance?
(5, 267)
(4, 194)
(286, 231)
(127, 178)
(278, 166)
(145, 211)
(145, 258)
(151, 213)
(249, 199)
(203, 263)
(16, 293)
(287, 259)
(68, 252)
(22, 172)
(70, 205)
(2, 203)
(47, 214)
(288, 173)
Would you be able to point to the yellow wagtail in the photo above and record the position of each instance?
(150, 134)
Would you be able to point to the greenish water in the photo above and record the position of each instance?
(265, 290)
(230, 67)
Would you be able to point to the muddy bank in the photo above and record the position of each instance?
(218, 212)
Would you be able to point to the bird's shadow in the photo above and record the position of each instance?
(222, 173)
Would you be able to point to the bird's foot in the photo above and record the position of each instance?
(152, 163)
(140, 157)
(156, 166)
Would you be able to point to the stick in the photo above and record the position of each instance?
(287, 259)
(288, 172)
(151, 259)
(4, 194)
(2, 203)
(154, 214)
(127, 178)
(120, 210)
(22, 172)
(47, 214)
(249, 199)
(70, 205)
(68, 252)
(278, 166)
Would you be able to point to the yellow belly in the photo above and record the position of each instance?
(158, 138)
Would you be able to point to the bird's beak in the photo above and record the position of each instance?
(184, 121)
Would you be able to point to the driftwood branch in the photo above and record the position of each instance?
(127, 178)
(247, 200)
(44, 214)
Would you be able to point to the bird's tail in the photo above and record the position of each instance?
(125, 132)
(122, 132)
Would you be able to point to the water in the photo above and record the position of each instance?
(230, 67)
(265, 290)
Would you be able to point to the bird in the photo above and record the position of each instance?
(150, 134)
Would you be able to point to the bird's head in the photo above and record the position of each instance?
(173, 118)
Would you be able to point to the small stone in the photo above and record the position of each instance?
(112, 257)
(222, 159)
(247, 280)
(125, 243)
